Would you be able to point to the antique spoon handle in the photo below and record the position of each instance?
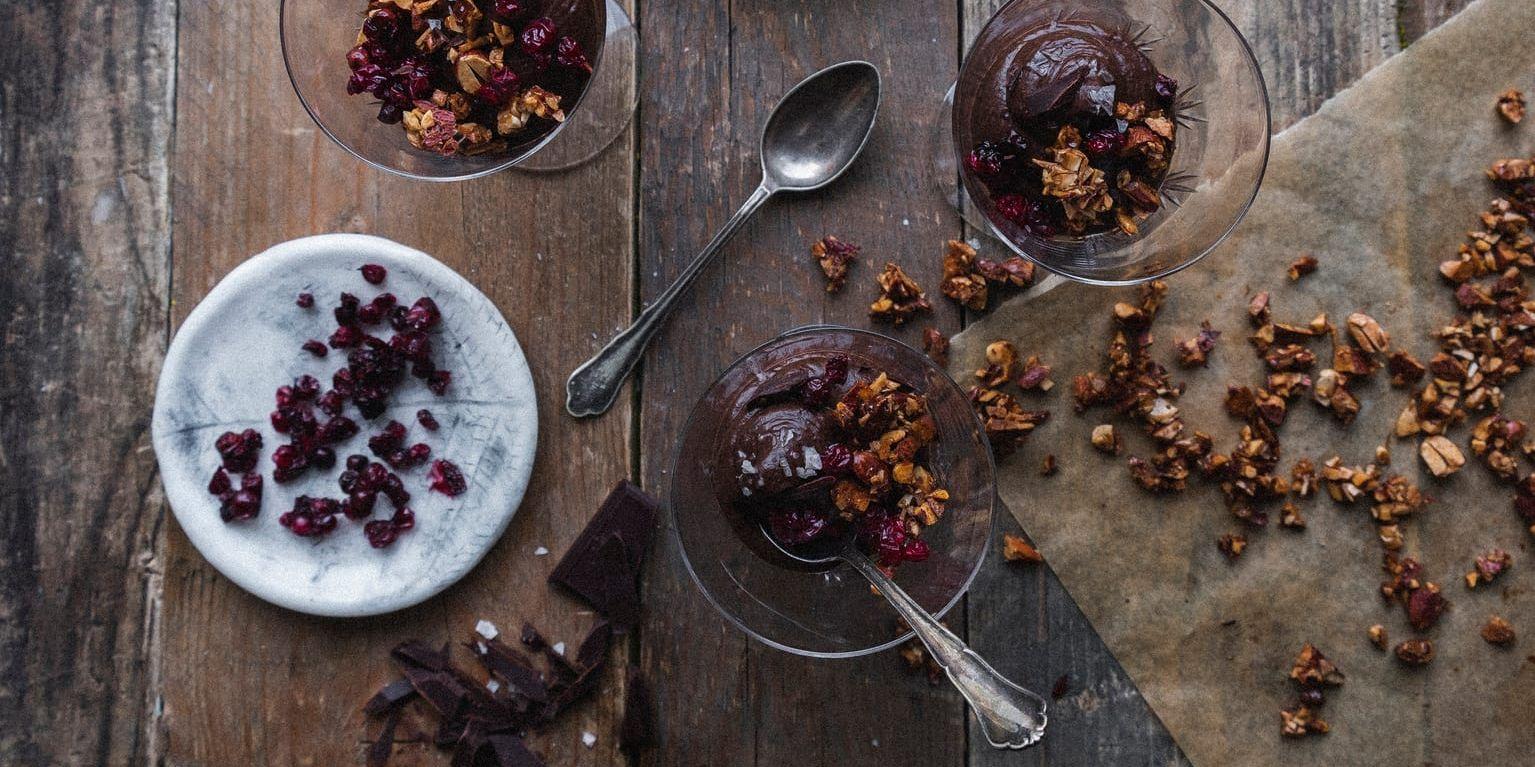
(593, 386)
(1011, 716)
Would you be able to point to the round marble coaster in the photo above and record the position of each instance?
(242, 342)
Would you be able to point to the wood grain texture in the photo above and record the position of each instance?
(714, 71)
(247, 683)
(85, 118)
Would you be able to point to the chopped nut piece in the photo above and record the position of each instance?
(1497, 631)
(1415, 652)
(472, 70)
(1302, 266)
(1511, 105)
(1312, 668)
(1231, 544)
(1035, 375)
(1001, 362)
(1290, 516)
(1488, 567)
(1082, 189)
(1378, 636)
(1441, 456)
(1049, 467)
(1405, 369)
(1258, 311)
(1301, 720)
(960, 281)
(1290, 357)
(1006, 421)
(1015, 549)
(900, 297)
(1368, 333)
(1382, 455)
(936, 345)
(1390, 537)
(835, 257)
(1107, 440)
(1195, 352)
(1303, 478)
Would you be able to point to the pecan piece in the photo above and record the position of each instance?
(1106, 440)
(1290, 357)
(1498, 631)
(1302, 266)
(1511, 106)
(1368, 334)
(835, 258)
(1016, 549)
(1195, 352)
(1415, 652)
(1297, 721)
(900, 298)
(1405, 369)
(1378, 636)
(1441, 456)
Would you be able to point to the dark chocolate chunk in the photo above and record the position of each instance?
(602, 567)
(383, 748)
(515, 669)
(390, 697)
(636, 731)
(594, 648)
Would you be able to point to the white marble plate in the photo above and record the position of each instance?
(242, 342)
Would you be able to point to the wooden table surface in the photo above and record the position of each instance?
(147, 147)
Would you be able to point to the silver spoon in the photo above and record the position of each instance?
(812, 136)
(1010, 716)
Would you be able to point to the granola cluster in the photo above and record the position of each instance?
(469, 77)
(1006, 421)
(900, 297)
(967, 279)
(1312, 673)
(835, 258)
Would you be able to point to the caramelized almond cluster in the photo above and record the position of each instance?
(1006, 421)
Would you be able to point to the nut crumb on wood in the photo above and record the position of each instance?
(1488, 567)
(1415, 652)
(1106, 440)
(1302, 266)
(1441, 456)
(1049, 467)
(1378, 637)
(1016, 549)
(1231, 544)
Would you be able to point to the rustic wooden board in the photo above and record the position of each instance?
(85, 117)
(85, 234)
(249, 683)
(714, 71)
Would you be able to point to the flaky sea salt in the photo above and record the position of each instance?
(486, 629)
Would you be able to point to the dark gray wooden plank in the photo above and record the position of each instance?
(712, 72)
(85, 122)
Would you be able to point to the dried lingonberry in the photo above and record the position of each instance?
(427, 420)
(317, 348)
(374, 273)
(392, 438)
(1104, 143)
(439, 381)
(568, 53)
(537, 36)
(219, 484)
(304, 300)
(380, 533)
(239, 450)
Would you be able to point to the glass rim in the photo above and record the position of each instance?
(989, 462)
(1251, 60)
(287, 64)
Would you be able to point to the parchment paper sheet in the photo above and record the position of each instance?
(1381, 184)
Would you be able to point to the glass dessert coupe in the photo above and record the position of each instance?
(827, 612)
(1217, 101)
(316, 35)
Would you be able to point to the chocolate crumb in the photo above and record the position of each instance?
(1061, 687)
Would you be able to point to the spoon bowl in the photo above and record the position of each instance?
(820, 127)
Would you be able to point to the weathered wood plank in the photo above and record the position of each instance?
(85, 120)
(247, 683)
(713, 72)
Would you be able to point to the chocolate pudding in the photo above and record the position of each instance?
(822, 448)
(1073, 129)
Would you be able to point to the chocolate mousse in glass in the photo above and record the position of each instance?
(1068, 128)
(825, 446)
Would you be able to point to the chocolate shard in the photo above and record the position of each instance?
(603, 566)
(636, 732)
(383, 748)
(509, 751)
(594, 648)
(514, 668)
(390, 697)
(418, 654)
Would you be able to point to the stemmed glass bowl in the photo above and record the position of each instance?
(316, 34)
(1217, 165)
(831, 613)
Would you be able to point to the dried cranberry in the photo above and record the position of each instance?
(427, 420)
(322, 458)
(915, 550)
(568, 53)
(392, 438)
(1424, 606)
(356, 462)
(1104, 143)
(375, 476)
(331, 402)
(317, 348)
(357, 57)
(445, 478)
(986, 159)
(423, 314)
(245, 504)
(307, 387)
(338, 429)
(239, 450)
(511, 10)
(380, 532)
(346, 337)
(537, 36)
(304, 300)
(1166, 87)
(439, 381)
(382, 26)
(403, 519)
(288, 457)
(219, 484)
(793, 527)
(375, 273)
(837, 459)
(412, 345)
(394, 490)
(359, 504)
(389, 114)
(499, 88)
